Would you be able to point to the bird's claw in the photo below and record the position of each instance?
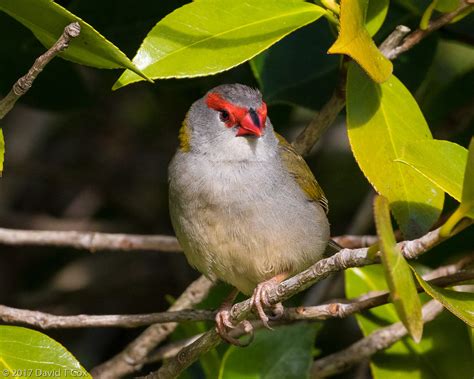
(224, 323)
(260, 301)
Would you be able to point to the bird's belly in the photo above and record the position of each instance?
(246, 232)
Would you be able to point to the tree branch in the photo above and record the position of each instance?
(134, 356)
(91, 241)
(23, 84)
(366, 347)
(415, 37)
(441, 277)
(96, 241)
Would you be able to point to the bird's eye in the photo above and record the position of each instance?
(224, 115)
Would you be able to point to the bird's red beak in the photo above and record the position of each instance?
(251, 123)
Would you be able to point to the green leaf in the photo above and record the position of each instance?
(446, 6)
(355, 41)
(397, 272)
(434, 357)
(466, 208)
(468, 186)
(442, 162)
(47, 20)
(459, 303)
(376, 12)
(281, 353)
(209, 36)
(381, 120)
(26, 353)
(290, 70)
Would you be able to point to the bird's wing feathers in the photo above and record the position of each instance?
(300, 171)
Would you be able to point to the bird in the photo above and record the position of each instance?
(245, 206)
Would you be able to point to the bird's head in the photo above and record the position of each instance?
(230, 117)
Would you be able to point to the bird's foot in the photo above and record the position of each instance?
(224, 326)
(260, 299)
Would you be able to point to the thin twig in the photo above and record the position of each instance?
(96, 241)
(23, 84)
(366, 347)
(415, 37)
(342, 260)
(91, 241)
(134, 356)
(394, 39)
(45, 320)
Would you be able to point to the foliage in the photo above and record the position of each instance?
(26, 353)
(392, 112)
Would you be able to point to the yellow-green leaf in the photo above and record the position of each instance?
(47, 20)
(466, 208)
(209, 36)
(397, 272)
(376, 12)
(26, 353)
(355, 41)
(381, 120)
(442, 162)
(459, 303)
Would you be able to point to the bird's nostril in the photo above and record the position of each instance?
(254, 117)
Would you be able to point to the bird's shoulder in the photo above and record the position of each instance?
(299, 170)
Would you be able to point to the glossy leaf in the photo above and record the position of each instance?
(290, 70)
(26, 353)
(466, 208)
(47, 19)
(281, 353)
(400, 281)
(381, 120)
(376, 12)
(433, 357)
(209, 36)
(446, 5)
(459, 303)
(468, 186)
(355, 41)
(442, 162)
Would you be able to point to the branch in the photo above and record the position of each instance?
(441, 277)
(95, 241)
(366, 347)
(134, 356)
(23, 84)
(305, 141)
(91, 241)
(342, 260)
(415, 37)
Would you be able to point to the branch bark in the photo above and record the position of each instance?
(91, 241)
(23, 84)
(441, 277)
(368, 346)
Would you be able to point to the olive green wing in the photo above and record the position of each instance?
(299, 170)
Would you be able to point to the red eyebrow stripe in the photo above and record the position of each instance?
(217, 102)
